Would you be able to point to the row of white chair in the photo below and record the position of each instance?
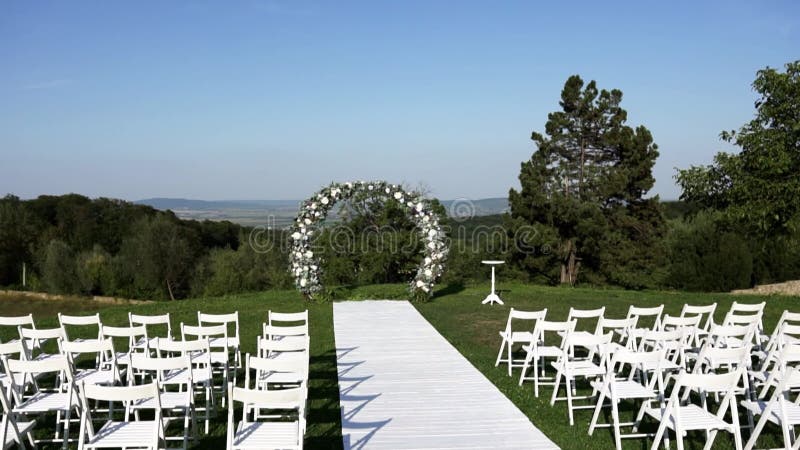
(282, 362)
(622, 359)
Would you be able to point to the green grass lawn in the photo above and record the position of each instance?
(456, 312)
(473, 329)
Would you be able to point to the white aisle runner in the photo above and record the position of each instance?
(403, 386)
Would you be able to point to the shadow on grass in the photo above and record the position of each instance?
(324, 411)
(449, 289)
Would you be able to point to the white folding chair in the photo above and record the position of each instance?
(509, 337)
(131, 335)
(746, 313)
(585, 315)
(284, 349)
(63, 399)
(785, 332)
(12, 430)
(298, 333)
(285, 431)
(732, 335)
(39, 337)
(68, 321)
(220, 359)
(200, 375)
(779, 410)
(277, 318)
(571, 368)
(104, 371)
(276, 372)
(232, 341)
(140, 434)
(718, 360)
(618, 387)
(181, 402)
(20, 321)
(673, 342)
(638, 313)
(705, 313)
(156, 326)
(539, 350)
(788, 356)
(16, 350)
(681, 415)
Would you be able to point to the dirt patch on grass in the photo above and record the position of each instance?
(786, 288)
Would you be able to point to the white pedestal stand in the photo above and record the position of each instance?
(492, 298)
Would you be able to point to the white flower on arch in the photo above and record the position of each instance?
(306, 268)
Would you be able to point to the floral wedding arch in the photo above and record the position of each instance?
(306, 267)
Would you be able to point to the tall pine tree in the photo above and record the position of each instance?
(584, 190)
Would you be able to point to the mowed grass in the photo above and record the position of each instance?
(473, 329)
(456, 312)
(324, 418)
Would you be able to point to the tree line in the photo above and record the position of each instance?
(71, 244)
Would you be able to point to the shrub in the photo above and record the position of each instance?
(58, 275)
(705, 257)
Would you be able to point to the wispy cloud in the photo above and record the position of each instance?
(47, 84)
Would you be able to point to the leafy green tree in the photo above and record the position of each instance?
(93, 268)
(58, 274)
(758, 189)
(18, 235)
(159, 257)
(584, 188)
(228, 271)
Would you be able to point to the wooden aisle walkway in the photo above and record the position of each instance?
(403, 386)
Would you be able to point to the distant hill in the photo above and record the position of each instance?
(281, 212)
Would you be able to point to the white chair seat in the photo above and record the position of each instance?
(182, 376)
(142, 342)
(219, 358)
(266, 435)
(280, 378)
(516, 336)
(45, 401)
(663, 365)
(46, 356)
(580, 368)
(693, 417)
(122, 434)
(123, 358)
(169, 400)
(94, 376)
(545, 351)
(23, 428)
(625, 389)
(757, 407)
(219, 342)
(576, 333)
(299, 340)
(18, 378)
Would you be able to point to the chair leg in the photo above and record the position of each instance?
(596, 415)
(536, 377)
(556, 386)
(510, 344)
(615, 419)
(569, 400)
(500, 353)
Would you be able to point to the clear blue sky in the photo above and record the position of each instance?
(273, 99)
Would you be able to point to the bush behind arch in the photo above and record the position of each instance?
(307, 268)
